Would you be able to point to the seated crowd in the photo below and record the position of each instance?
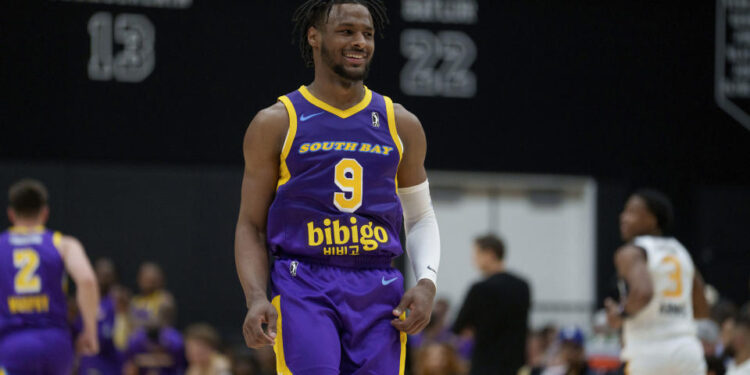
(137, 336)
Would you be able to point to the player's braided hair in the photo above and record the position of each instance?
(315, 12)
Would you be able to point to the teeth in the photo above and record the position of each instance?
(354, 56)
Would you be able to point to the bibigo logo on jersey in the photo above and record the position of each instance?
(338, 239)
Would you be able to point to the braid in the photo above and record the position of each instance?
(314, 12)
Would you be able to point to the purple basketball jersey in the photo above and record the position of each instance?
(109, 360)
(32, 275)
(163, 354)
(336, 200)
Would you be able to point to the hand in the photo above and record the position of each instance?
(419, 301)
(87, 343)
(614, 317)
(260, 312)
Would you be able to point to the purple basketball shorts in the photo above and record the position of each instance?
(36, 351)
(336, 320)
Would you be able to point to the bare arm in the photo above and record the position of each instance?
(411, 172)
(701, 310)
(261, 148)
(78, 266)
(632, 266)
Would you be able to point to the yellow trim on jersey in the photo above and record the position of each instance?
(284, 174)
(57, 240)
(402, 362)
(343, 113)
(278, 345)
(394, 132)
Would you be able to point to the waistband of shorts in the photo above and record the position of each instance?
(356, 261)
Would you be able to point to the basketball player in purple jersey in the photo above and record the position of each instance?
(332, 170)
(34, 331)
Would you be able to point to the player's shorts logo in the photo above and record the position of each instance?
(386, 282)
(293, 268)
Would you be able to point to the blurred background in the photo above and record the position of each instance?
(541, 118)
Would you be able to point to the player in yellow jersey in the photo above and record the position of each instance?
(661, 292)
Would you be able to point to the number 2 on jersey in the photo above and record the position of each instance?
(27, 262)
(348, 177)
(675, 276)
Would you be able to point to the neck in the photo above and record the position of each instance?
(206, 365)
(27, 223)
(494, 268)
(655, 232)
(334, 90)
(742, 356)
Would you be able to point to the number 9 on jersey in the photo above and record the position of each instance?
(348, 177)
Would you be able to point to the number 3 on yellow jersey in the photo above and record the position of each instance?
(675, 276)
(348, 178)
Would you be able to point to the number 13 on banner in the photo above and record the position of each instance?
(348, 177)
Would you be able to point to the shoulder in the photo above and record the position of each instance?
(480, 287)
(516, 279)
(630, 253)
(67, 244)
(271, 117)
(270, 123)
(405, 120)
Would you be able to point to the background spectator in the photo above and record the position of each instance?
(244, 362)
(495, 312)
(155, 347)
(202, 351)
(153, 302)
(741, 345)
(109, 360)
(438, 359)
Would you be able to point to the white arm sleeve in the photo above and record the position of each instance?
(422, 235)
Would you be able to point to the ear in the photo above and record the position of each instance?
(44, 214)
(11, 216)
(313, 37)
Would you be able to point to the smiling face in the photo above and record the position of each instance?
(345, 43)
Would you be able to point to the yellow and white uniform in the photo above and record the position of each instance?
(741, 369)
(661, 338)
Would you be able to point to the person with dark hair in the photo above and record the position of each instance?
(157, 348)
(741, 345)
(661, 292)
(153, 303)
(34, 333)
(154, 345)
(109, 360)
(495, 312)
(332, 171)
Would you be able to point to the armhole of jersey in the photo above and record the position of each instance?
(390, 113)
(284, 174)
(57, 242)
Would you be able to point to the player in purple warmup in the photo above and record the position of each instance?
(332, 170)
(34, 333)
(109, 359)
